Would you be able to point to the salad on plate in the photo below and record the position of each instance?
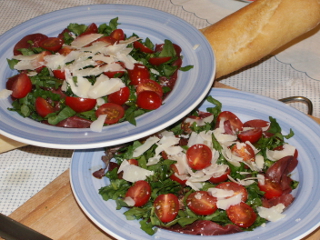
(208, 174)
(91, 76)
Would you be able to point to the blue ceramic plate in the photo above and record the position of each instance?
(190, 89)
(302, 217)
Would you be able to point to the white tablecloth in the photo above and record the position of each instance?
(25, 171)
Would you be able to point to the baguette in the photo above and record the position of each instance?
(257, 30)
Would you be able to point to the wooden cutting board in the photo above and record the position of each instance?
(54, 212)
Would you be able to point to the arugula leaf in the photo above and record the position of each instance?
(186, 68)
(116, 189)
(168, 49)
(147, 227)
(107, 29)
(214, 110)
(62, 115)
(76, 28)
(12, 63)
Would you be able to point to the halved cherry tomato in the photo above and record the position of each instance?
(149, 100)
(140, 192)
(272, 189)
(202, 203)
(242, 215)
(138, 73)
(118, 34)
(236, 188)
(61, 35)
(79, 104)
(119, 97)
(158, 60)
(51, 44)
(107, 39)
(59, 74)
(235, 122)
(174, 176)
(113, 111)
(243, 150)
(221, 178)
(199, 156)
(43, 108)
(142, 47)
(20, 85)
(251, 135)
(65, 50)
(92, 28)
(256, 123)
(29, 41)
(133, 162)
(149, 85)
(166, 207)
(113, 74)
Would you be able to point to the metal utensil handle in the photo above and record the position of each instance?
(299, 99)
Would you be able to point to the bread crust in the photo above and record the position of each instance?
(259, 29)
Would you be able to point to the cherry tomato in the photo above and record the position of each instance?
(149, 85)
(158, 60)
(241, 215)
(61, 35)
(199, 156)
(235, 122)
(51, 44)
(251, 135)
(29, 41)
(59, 74)
(221, 178)
(140, 192)
(43, 108)
(118, 34)
(113, 74)
(79, 104)
(107, 39)
(65, 50)
(202, 203)
(149, 100)
(133, 162)
(256, 123)
(92, 28)
(119, 97)
(138, 73)
(113, 111)
(141, 47)
(245, 151)
(272, 189)
(20, 85)
(173, 176)
(236, 188)
(166, 207)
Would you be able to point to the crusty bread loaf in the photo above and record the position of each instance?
(258, 29)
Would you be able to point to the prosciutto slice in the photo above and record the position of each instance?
(206, 228)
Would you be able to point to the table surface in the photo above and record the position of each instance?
(292, 71)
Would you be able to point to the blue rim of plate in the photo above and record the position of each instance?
(191, 86)
(302, 216)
